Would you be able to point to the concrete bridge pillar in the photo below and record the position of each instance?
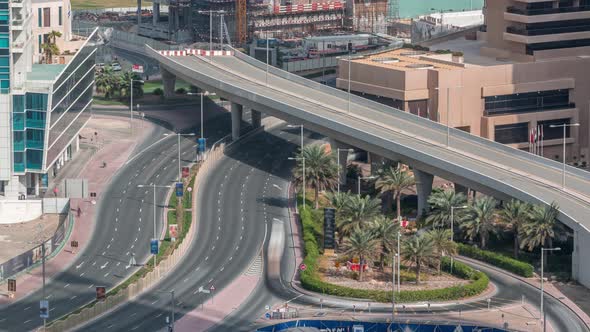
(156, 13)
(341, 156)
(236, 120)
(168, 81)
(423, 189)
(256, 117)
(461, 189)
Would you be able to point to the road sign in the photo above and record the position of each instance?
(12, 285)
(329, 228)
(101, 293)
(267, 315)
(44, 309)
(267, 307)
(173, 231)
(212, 288)
(302, 267)
(154, 246)
(137, 68)
(202, 144)
(179, 189)
(202, 290)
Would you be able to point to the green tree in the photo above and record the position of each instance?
(321, 171)
(105, 82)
(480, 220)
(515, 214)
(385, 231)
(50, 46)
(356, 211)
(418, 250)
(542, 228)
(363, 245)
(440, 208)
(442, 243)
(125, 84)
(394, 180)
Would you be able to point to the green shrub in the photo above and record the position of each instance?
(310, 279)
(181, 91)
(504, 262)
(158, 92)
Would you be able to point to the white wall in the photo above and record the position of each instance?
(14, 211)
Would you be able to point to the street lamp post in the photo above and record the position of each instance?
(338, 150)
(542, 315)
(448, 112)
(211, 12)
(399, 266)
(179, 167)
(298, 126)
(131, 104)
(359, 182)
(565, 126)
(200, 94)
(349, 46)
(154, 186)
(393, 258)
(303, 175)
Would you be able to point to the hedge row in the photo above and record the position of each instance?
(310, 279)
(504, 262)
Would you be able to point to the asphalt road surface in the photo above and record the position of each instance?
(124, 226)
(240, 203)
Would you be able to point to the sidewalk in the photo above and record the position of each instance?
(114, 152)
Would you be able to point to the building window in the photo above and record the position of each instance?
(59, 15)
(512, 133)
(46, 17)
(554, 133)
(39, 17)
(527, 102)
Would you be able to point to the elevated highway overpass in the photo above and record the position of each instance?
(468, 160)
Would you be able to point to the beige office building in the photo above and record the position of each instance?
(529, 67)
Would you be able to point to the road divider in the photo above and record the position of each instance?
(147, 276)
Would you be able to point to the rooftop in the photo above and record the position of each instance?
(45, 72)
(409, 60)
(471, 52)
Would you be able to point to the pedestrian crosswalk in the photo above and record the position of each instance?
(255, 268)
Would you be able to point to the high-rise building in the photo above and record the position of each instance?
(43, 106)
(525, 72)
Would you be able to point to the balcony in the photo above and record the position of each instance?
(518, 109)
(16, 3)
(34, 166)
(529, 16)
(18, 123)
(37, 145)
(19, 167)
(547, 31)
(546, 11)
(523, 36)
(35, 124)
(19, 146)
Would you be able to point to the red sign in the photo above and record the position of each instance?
(404, 223)
(185, 172)
(302, 267)
(137, 69)
(101, 293)
(212, 288)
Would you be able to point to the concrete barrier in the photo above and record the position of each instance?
(151, 278)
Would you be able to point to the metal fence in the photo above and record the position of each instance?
(32, 257)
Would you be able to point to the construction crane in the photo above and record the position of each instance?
(241, 24)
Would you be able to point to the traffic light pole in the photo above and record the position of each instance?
(43, 264)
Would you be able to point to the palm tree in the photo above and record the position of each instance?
(440, 207)
(542, 227)
(338, 199)
(394, 180)
(480, 220)
(125, 84)
(321, 171)
(355, 212)
(105, 81)
(515, 213)
(50, 47)
(386, 232)
(419, 250)
(363, 245)
(442, 243)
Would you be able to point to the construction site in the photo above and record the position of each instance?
(240, 21)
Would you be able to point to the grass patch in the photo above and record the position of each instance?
(150, 86)
(98, 100)
(99, 4)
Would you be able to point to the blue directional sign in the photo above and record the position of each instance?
(202, 143)
(44, 309)
(179, 189)
(154, 246)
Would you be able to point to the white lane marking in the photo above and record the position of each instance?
(27, 308)
(207, 258)
(139, 229)
(93, 263)
(158, 175)
(127, 254)
(232, 257)
(160, 314)
(27, 321)
(116, 219)
(185, 280)
(91, 286)
(50, 310)
(48, 296)
(212, 248)
(117, 209)
(81, 274)
(66, 285)
(221, 270)
(156, 301)
(79, 265)
(73, 297)
(118, 263)
(105, 265)
(108, 246)
(112, 239)
(115, 229)
(276, 186)
(107, 274)
(108, 327)
(133, 314)
(210, 281)
(133, 246)
(139, 210)
(197, 269)
(135, 240)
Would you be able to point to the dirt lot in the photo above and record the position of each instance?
(20, 237)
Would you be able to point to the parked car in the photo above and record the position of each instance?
(116, 66)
